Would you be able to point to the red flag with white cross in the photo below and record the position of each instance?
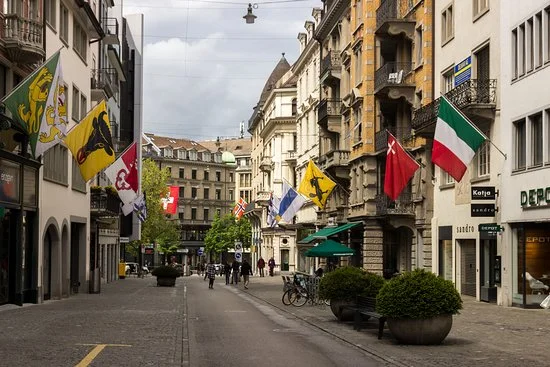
(400, 168)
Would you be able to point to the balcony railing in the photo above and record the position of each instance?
(22, 37)
(110, 26)
(104, 204)
(470, 93)
(336, 158)
(392, 74)
(390, 10)
(381, 137)
(402, 206)
(331, 61)
(328, 107)
(105, 79)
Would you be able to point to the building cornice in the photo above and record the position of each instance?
(332, 16)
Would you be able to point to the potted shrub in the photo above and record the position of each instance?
(166, 275)
(343, 285)
(419, 307)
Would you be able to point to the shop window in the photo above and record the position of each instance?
(446, 259)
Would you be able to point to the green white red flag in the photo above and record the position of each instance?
(456, 140)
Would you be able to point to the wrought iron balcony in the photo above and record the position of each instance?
(328, 114)
(392, 18)
(381, 140)
(470, 96)
(331, 66)
(104, 204)
(402, 206)
(22, 38)
(104, 82)
(381, 137)
(110, 25)
(392, 74)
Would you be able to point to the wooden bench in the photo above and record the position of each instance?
(366, 307)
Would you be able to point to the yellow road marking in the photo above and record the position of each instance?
(95, 352)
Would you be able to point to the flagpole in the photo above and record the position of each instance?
(335, 181)
(474, 125)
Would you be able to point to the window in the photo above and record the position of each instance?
(193, 213)
(194, 192)
(358, 127)
(180, 216)
(536, 139)
(206, 214)
(418, 45)
(447, 25)
(77, 182)
(50, 12)
(230, 176)
(447, 179)
(357, 53)
(480, 8)
(218, 212)
(63, 23)
(206, 157)
(206, 193)
(206, 176)
(529, 45)
(447, 80)
(521, 50)
(169, 169)
(192, 155)
(83, 106)
(80, 41)
(483, 158)
(193, 174)
(547, 34)
(182, 191)
(218, 194)
(55, 164)
(294, 108)
(514, 54)
(358, 12)
(231, 195)
(218, 176)
(76, 104)
(519, 143)
(537, 39)
(182, 173)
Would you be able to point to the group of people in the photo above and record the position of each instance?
(234, 271)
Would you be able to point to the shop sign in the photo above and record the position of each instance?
(483, 193)
(535, 198)
(9, 182)
(489, 227)
(124, 240)
(482, 210)
(182, 250)
(463, 71)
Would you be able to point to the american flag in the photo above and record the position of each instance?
(238, 210)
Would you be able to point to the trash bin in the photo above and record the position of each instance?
(121, 270)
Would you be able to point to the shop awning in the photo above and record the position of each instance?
(324, 233)
(330, 248)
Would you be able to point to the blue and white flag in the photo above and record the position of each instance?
(291, 202)
(140, 207)
(273, 211)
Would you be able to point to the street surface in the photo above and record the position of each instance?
(134, 323)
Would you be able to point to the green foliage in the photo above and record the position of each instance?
(95, 188)
(157, 228)
(165, 271)
(225, 231)
(418, 294)
(346, 283)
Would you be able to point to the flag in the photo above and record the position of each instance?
(273, 211)
(316, 185)
(238, 210)
(123, 174)
(400, 167)
(456, 140)
(170, 201)
(90, 142)
(37, 105)
(291, 202)
(140, 207)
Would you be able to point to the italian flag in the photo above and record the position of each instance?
(456, 140)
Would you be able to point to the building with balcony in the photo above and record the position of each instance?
(206, 187)
(467, 70)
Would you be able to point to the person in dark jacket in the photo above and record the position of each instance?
(227, 272)
(235, 266)
(246, 272)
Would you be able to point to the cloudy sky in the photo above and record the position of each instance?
(204, 67)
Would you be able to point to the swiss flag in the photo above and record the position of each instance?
(400, 167)
(170, 201)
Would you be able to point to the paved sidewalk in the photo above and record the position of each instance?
(482, 333)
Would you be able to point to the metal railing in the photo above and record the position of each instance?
(331, 61)
(381, 136)
(402, 206)
(392, 10)
(104, 204)
(111, 26)
(328, 107)
(469, 93)
(392, 73)
(105, 79)
(22, 30)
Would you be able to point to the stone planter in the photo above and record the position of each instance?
(342, 315)
(421, 331)
(166, 281)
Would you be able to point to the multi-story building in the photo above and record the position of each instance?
(206, 187)
(524, 193)
(466, 71)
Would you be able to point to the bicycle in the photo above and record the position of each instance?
(295, 293)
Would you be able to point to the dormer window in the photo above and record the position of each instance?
(206, 156)
(192, 155)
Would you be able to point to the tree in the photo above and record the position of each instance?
(225, 231)
(157, 228)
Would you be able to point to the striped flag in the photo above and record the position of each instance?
(456, 140)
(238, 210)
(273, 211)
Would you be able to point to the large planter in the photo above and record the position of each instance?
(166, 281)
(421, 331)
(336, 306)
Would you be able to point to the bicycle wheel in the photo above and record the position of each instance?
(298, 298)
(286, 297)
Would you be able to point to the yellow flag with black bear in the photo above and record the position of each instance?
(90, 142)
(316, 185)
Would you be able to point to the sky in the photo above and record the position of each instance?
(204, 67)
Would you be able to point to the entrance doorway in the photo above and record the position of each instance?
(468, 267)
(7, 236)
(47, 266)
(285, 260)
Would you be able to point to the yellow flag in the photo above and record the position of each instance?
(90, 142)
(316, 185)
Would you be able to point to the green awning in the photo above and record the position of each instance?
(324, 233)
(330, 248)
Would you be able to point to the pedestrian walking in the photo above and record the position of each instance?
(235, 267)
(271, 264)
(261, 266)
(211, 274)
(246, 272)
(227, 272)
